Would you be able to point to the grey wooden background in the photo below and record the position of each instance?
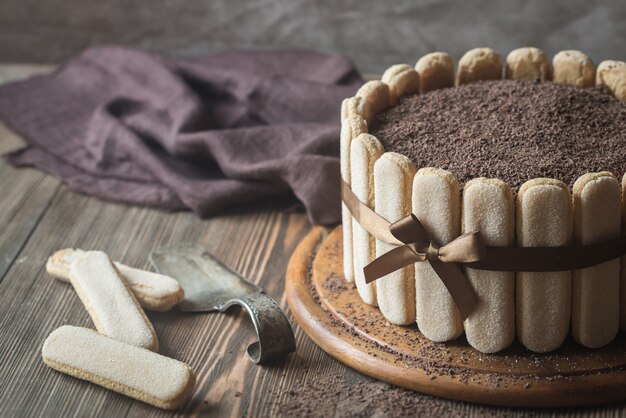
(373, 33)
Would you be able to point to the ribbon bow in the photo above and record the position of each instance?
(415, 245)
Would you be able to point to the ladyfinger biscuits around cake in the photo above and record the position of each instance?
(132, 371)
(436, 204)
(395, 292)
(376, 96)
(364, 151)
(573, 67)
(402, 80)
(622, 286)
(352, 125)
(488, 208)
(543, 300)
(528, 64)
(110, 303)
(479, 64)
(612, 74)
(153, 291)
(436, 71)
(595, 299)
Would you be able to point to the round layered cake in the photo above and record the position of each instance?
(527, 154)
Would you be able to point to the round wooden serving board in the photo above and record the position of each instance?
(330, 311)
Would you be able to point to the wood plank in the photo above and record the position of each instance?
(25, 192)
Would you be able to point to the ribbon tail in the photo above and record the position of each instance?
(458, 285)
(389, 262)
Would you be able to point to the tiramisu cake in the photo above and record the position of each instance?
(529, 153)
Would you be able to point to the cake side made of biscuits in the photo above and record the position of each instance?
(530, 153)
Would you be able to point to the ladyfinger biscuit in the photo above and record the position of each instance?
(436, 203)
(622, 285)
(402, 80)
(573, 67)
(543, 300)
(488, 208)
(351, 126)
(153, 291)
(364, 152)
(527, 64)
(376, 95)
(479, 64)
(112, 307)
(393, 176)
(612, 74)
(595, 297)
(132, 371)
(436, 71)
(353, 106)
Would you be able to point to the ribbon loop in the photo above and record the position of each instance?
(417, 246)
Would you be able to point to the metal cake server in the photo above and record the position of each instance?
(211, 286)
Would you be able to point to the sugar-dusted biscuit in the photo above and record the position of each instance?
(153, 291)
(436, 203)
(376, 95)
(354, 106)
(402, 80)
(622, 285)
(436, 71)
(573, 67)
(479, 64)
(612, 74)
(110, 303)
(393, 178)
(543, 300)
(488, 208)
(528, 64)
(364, 152)
(595, 297)
(352, 126)
(132, 371)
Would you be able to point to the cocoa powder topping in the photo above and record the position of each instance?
(511, 130)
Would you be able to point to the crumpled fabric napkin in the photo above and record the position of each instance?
(211, 133)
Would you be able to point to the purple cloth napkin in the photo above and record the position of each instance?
(208, 134)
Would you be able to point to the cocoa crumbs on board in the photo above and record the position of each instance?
(512, 130)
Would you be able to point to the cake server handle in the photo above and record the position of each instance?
(271, 325)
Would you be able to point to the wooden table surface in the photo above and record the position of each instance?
(39, 215)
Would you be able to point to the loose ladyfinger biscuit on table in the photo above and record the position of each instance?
(153, 291)
(527, 64)
(110, 303)
(132, 371)
(436, 71)
(622, 286)
(436, 203)
(402, 80)
(488, 208)
(393, 178)
(352, 126)
(376, 95)
(612, 74)
(573, 67)
(543, 300)
(364, 152)
(479, 64)
(595, 296)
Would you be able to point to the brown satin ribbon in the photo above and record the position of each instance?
(415, 245)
